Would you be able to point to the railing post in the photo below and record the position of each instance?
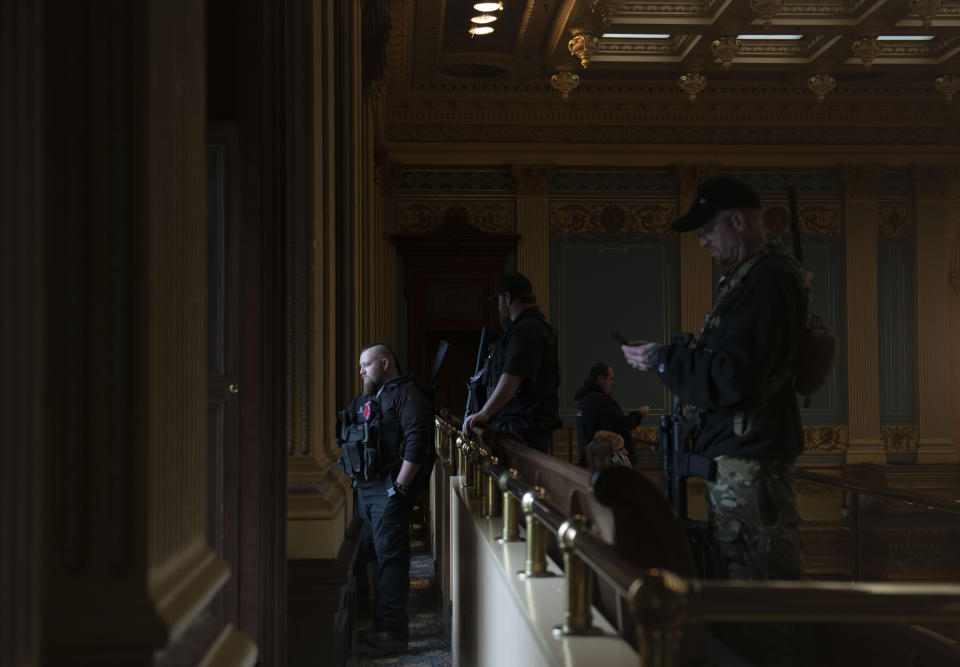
(659, 599)
(511, 509)
(578, 578)
(479, 488)
(463, 466)
(492, 508)
(536, 565)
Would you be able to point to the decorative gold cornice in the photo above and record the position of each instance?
(896, 219)
(861, 182)
(652, 131)
(471, 217)
(688, 178)
(611, 218)
(899, 438)
(533, 181)
(825, 439)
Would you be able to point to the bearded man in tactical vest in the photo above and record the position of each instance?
(386, 438)
(736, 382)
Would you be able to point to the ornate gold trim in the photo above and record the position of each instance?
(899, 438)
(611, 217)
(896, 219)
(421, 217)
(825, 439)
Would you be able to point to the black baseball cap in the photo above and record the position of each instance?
(713, 196)
(515, 284)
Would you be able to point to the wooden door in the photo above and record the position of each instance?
(223, 355)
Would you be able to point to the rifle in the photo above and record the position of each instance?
(474, 380)
(675, 444)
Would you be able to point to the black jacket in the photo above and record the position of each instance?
(728, 374)
(598, 411)
(405, 424)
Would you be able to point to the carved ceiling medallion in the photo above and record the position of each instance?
(565, 83)
(692, 83)
(821, 83)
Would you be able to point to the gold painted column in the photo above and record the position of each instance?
(319, 498)
(933, 323)
(863, 393)
(696, 269)
(533, 226)
(954, 299)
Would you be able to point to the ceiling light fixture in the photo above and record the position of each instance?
(866, 49)
(948, 85)
(926, 9)
(635, 35)
(692, 83)
(483, 18)
(565, 82)
(480, 30)
(489, 7)
(583, 44)
(821, 83)
(726, 49)
(905, 38)
(766, 10)
(766, 37)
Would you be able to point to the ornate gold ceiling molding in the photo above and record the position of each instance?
(825, 439)
(632, 10)
(823, 219)
(896, 219)
(611, 218)
(695, 133)
(419, 217)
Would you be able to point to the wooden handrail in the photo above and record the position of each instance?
(910, 497)
(662, 601)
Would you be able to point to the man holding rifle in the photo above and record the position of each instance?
(735, 383)
(522, 374)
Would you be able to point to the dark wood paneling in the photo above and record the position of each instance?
(448, 282)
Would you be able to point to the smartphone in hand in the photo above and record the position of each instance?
(619, 338)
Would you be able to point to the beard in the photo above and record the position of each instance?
(370, 387)
(504, 317)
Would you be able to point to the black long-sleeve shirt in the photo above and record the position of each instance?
(599, 411)
(728, 374)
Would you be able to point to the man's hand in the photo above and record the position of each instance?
(476, 420)
(643, 411)
(641, 354)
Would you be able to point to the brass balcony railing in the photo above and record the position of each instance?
(661, 601)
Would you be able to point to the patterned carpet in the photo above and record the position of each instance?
(429, 644)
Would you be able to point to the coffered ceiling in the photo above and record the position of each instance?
(581, 64)
(533, 39)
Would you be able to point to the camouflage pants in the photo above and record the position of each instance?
(754, 523)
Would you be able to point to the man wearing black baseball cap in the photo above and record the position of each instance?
(736, 381)
(522, 373)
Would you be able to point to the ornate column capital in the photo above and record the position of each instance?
(861, 182)
(533, 180)
(932, 182)
(688, 177)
